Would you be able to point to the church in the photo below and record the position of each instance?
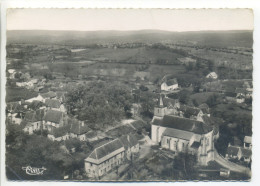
(179, 134)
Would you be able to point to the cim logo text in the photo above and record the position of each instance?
(33, 170)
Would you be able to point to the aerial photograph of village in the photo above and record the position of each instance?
(126, 103)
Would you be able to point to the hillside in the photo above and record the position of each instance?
(204, 38)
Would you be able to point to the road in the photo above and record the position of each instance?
(230, 165)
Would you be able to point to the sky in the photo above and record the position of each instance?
(130, 19)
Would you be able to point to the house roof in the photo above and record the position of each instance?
(77, 128)
(50, 94)
(53, 116)
(106, 149)
(246, 152)
(128, 140)
(212, 74)
(232, 150)
(189, 111)
(53, 103)
(241, 90)
(14, 107)
(171, 82)
(204, 108)
(248, 139)
(180, 134)
(171, 121)
(58, 132)
(34, 116)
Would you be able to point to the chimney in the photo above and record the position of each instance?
(82, 123)
(128, 137)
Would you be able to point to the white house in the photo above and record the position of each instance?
(212, 75)
(31, 127)
(169, 85)
(248, 142)
(104, 158)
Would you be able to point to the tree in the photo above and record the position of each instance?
(184, 164)
(212, 100)
(184, 96)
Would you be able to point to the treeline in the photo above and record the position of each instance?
(99, 103)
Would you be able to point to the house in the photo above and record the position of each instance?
(169, 85)
(12, 73)
(131, 145)
(48, 95)
(248, 142)
(104, 158)
(55, 119)
(34, 116)
(59, 134)
(212, 75)
(232, 152)
(31, 127)
(171, 103)
(38, 98)
(239, 153)
(34, 121)
(78, 129)
(204, 108)
(191, 112)
(166, 106)
(180, 134)
(54, 104)
(14, 118)
(15, 112)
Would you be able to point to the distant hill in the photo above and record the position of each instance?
(205, 38)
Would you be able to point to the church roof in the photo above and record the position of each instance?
(171, 121)
(178, 134)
